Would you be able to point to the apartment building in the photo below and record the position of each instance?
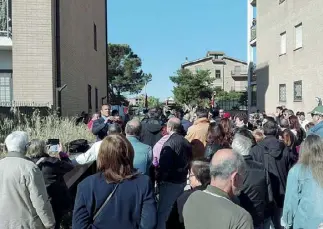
(53, 54)
(289, 68)
(229, 74)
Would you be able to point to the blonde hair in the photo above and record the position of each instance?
(311, 156)
(258, 134)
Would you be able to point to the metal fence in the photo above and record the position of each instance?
(232, 106)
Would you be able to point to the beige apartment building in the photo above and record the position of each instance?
(287, 36)
(229, 74)
(53, 54)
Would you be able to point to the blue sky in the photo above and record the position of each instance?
(164, 32)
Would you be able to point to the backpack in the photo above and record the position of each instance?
(78, 146)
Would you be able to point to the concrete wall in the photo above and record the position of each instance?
(238, 83)
(304, 64)
(80, 63)
(5, 60)
(32, 59)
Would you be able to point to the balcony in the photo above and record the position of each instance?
(240, 72)
(253, 3)
(5, 24)
(253, 35)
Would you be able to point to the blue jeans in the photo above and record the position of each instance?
(168, 194)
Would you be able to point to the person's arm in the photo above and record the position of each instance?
(81, 217)
(148, 218)
(291, 198)
(39, 198)
(89, 156)
(98, 126)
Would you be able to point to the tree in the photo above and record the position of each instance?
(192, 88)
(153, 101)
(124, 70)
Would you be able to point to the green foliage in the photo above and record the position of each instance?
(153, 101)
(124, 70)
(192, 88)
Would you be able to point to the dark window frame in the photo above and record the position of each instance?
(89, 97)
(95, 37)
(298, 98)
(96, 99)
(280, 100)
(217, 72)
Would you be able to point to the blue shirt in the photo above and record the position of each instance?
(317, 130)
(143, 155)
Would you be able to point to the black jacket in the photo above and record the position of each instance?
(175, 219)
(174, 161)
(53, 170)
(256, 193)
(210, 150)
(277, 160)
(100, 129)
(151, 132)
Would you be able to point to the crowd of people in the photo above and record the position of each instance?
(212, 170)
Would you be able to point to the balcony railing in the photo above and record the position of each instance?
(240, 71)
(253, 31)
(5, 18)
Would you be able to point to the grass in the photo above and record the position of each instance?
(43, 128)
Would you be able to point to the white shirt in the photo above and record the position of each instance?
(89, 156)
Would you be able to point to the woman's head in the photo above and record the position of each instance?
(115, 158)
(311, 155)
(247, 133)
(226, 124)
(37, 148)
(288, 138)
(199, 173)
(294, 123)
(215, 134)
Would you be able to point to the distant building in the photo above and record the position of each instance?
(45, 45)
(229, 74)
(287, 36)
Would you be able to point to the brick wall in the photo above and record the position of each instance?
(81, 64)
(32, 52)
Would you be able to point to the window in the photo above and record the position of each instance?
(254, 95)
(282, 92)
(89, 97)
(283, 43)
(95, 37)
(298, 36)
(96, 100)
(298, 91)
(217, 74)
(5, 87)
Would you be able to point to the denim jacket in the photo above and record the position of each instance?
(303, 206)
(317, 130)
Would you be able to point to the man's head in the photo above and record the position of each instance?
(241, 119)
(202, 113)
(199, 173)
(270, 127)
(288, 113)
(317, 114)
(227, 171)
(301, 116)
(105, 110)
(279, 111)
(152, 113)
(17, 142)
(174, 125)
(284, 123)
(114, 128)
(133, 128)
(241, 144)
(221, 113)
(115, 113)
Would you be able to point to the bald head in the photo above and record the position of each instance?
(225, 162)
(174, 125)
(133, 128)
(284, 123)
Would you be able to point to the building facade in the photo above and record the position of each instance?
(289, 58)
(229, 74)
(53, 53)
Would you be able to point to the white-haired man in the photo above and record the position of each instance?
(256, 194)
(24, 202)
(214, 207)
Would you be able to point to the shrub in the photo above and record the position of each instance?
(43, 128)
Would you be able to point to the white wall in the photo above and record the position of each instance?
(5, 60)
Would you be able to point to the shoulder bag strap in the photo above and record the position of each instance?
(105, 203)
